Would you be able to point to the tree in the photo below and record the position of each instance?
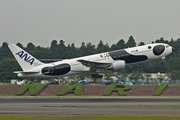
(160, 77)
(71, 51)
(141, 43)
(30, 47)
(106, 48)
(113, 47)
(4, 51)
(90, 48)
(83, 49)
(120, 44)
(101, 47)
(122, 74)
(107, 74)
(161, 40)
(53, 48)
(175, 75)
(8, 66)
(42, 53)
(53, 45)
(136, 75)
(20, 45)
(131, 42)
(85, 75)
(148, 76)
(61, 50)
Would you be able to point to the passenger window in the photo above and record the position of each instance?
(149, 47)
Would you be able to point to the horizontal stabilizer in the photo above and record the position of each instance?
(26, 72)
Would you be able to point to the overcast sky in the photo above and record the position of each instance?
(77, 21)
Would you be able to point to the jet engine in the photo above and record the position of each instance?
(117, 65)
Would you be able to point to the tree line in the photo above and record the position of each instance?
(59, 50)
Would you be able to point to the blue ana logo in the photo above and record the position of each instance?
(134, 50)
(27, 58)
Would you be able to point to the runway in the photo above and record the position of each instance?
(58, 106)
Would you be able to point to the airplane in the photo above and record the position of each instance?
(113, 60)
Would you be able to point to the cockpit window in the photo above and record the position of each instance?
(167, 46)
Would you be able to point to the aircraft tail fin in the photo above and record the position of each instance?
(25, 60)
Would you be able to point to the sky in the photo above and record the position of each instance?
(77, 21)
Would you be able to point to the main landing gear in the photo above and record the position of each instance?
(163, 60)
(97, 76)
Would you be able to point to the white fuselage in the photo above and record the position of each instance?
(99, 61)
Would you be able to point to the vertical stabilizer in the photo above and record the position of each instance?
(25, 60)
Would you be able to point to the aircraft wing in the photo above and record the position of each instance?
(93, 64)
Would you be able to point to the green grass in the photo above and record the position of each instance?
(76, 89)
(10, 96)
(33, 90)
(135, 107)
(160, 89)
(120, 91)
(89, 117)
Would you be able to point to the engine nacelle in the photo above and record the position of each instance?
(117, 65)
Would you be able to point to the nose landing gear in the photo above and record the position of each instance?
(163, 60)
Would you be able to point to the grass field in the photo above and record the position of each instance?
(135, 107)
(88, 117)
